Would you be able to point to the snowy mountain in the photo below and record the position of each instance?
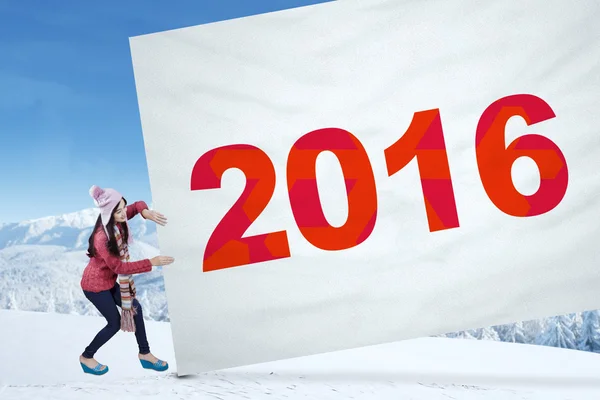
(419, 369)
(69, 230)
(41, 262)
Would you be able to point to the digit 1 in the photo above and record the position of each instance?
(424, 139)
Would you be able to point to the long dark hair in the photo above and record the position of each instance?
(112, 245)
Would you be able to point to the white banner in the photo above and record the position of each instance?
(361, 172)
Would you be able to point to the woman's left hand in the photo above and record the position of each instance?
(155, 216)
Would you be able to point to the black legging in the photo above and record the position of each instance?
(106, 302)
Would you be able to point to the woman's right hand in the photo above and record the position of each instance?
(161, 260)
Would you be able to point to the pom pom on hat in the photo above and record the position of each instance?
(105, 198)
(99, 195)
(96, 192)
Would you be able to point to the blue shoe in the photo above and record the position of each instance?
(157, 366)
(94, 371)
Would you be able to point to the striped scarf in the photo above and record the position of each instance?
(127, 288)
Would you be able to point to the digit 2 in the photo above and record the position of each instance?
(226, 247)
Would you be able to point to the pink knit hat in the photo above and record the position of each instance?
(107, 199)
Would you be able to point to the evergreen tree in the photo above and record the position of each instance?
(576, 325)
(589, 338)
(533, 329)
(487, 334)
(558, 333)
(464, 335)
(513, 333)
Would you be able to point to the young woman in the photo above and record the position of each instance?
(109, 260)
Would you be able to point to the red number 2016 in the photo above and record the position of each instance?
(423, 140)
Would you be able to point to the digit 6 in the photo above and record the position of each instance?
(495, 161)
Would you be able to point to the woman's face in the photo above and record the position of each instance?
(120, 214)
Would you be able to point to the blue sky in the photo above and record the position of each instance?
(68, 108)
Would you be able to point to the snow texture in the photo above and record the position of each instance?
(418, 369)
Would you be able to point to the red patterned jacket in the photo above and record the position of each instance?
(102, 270)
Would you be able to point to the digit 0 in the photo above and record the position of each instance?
(495, 160)
(226, 247)
(304, 195)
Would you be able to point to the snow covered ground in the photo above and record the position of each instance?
(39, 360)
